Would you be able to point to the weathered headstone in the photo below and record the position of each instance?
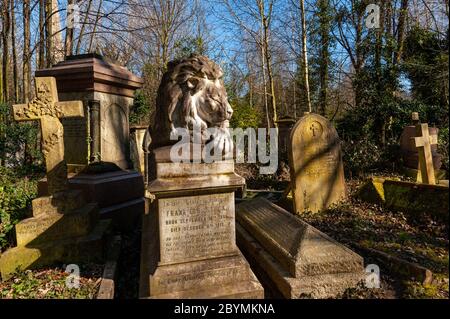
(317, 172)
(100, 138)
(64, 227)
(295, 259)
(423, 142)
(188, 234)
(107, 92)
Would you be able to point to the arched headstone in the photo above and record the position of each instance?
(317, 172)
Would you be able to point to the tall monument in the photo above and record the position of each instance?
(188, 235)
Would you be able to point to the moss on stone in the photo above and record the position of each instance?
(412, 198)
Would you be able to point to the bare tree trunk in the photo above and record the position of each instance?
(305, 56)
(14, 52)
(97, 19)
(6, 23)
(41, 56)
(26, 65)
(83, 25)
(266, 55)
(49, 33)
(446, 7)
(379, 45)
(389, 32)
(5, 65)
(272, 90)
(401, 31)
(68, 43)
(250, 80)
(324, 32)
(359, 55)
(263, 66)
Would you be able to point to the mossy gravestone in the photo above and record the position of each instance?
(317, 172)
(64, 228)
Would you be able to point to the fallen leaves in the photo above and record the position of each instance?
(50, 283)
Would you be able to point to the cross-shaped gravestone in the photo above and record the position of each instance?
(423, 142)
(46, 108)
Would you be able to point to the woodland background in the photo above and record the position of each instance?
(280, 58)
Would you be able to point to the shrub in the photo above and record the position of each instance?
(360, 131)
(19, 142)
(244, 116)
(360, 156)
(140, 111)
(16, 194)
(443, 147)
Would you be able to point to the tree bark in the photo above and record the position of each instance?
(48, 33)
(14, 53)
(263, 63)
(305, 56)
(401, 31)
(94, 29)
(6, 24)
(265, 24)
(83, 26)
(324, 33)
(379, 46)
(26, 63)
(68, 43)
(41, 55)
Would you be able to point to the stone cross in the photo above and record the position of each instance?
(46, 108)
(423, 142)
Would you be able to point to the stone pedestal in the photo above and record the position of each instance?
(119, 195)
(107, 92)
(64, 228)
(188, 236)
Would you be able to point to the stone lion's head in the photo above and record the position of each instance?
(191, 93)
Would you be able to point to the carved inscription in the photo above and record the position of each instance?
(193, 279)
(324, 163)
(54, 227)
(196, 227)
(316, 164)
(74, 128)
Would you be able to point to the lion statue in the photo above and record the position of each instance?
(191, 95)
